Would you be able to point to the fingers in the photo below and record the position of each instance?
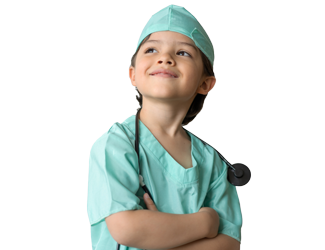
(149, 203)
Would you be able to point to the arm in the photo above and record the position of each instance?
(148, 229)
(220, 242)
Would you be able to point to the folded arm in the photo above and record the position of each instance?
(220, 242)
(147, 229)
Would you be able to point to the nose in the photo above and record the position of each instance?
(166, 58)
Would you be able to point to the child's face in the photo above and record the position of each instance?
(184, 60)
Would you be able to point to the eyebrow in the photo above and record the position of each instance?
(184, 43)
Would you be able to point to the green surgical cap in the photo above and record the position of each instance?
(178, 19)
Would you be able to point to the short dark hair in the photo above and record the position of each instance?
(198, 101)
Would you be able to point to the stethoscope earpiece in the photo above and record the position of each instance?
(240, 175)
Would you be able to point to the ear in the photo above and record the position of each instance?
(132, 75)
(206, 85)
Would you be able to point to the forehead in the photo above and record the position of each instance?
(171, 37)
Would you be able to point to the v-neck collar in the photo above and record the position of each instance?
(179, 173)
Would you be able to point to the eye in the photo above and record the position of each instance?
(149, 49)
(185, 52)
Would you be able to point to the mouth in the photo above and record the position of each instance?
(164, 75)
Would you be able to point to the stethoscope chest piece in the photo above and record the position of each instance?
(240, 176)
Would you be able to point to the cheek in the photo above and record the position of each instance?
(142, 69)
(193, 75)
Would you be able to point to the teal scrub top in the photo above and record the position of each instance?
(113, 183)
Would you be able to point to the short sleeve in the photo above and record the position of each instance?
(113, 175)
(222, 197)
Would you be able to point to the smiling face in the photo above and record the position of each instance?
(168, 50)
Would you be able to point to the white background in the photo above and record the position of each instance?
(65, 81)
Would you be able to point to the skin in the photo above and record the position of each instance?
(221, 241)
(167, 100)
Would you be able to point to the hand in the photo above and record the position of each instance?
(213, 221)
(149, 203)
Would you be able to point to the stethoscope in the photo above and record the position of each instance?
(238, 173)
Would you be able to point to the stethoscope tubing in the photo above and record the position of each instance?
(238, 176)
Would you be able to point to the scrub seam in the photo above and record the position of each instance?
(170, 11)
(203, 50)
(218, 179)
(203, 158)
(231, 235)
(104, 215)
(164, 170)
